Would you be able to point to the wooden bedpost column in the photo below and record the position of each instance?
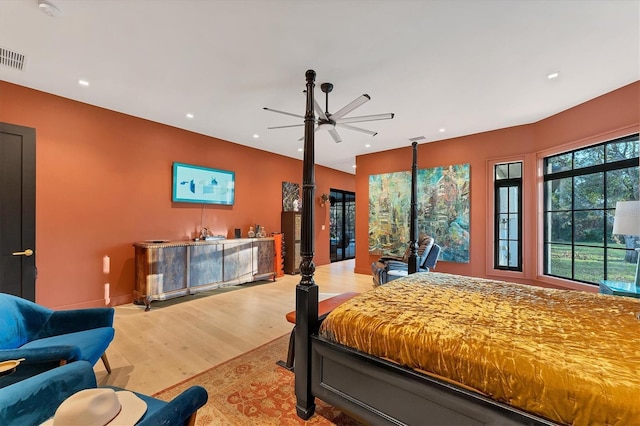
(413, 225)
(306, 290)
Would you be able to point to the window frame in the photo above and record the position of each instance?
(508, 182)
(545, 235)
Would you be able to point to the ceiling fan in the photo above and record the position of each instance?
(329, 122)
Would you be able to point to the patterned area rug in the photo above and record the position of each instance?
(252, 390)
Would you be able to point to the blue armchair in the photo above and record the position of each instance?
(36, 399)
(47, 338)
(389, 268)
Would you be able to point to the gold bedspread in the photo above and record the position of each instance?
(570, 356)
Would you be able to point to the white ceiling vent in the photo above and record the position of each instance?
(12, 59)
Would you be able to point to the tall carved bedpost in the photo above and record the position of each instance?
(413, 218)
(306, 290)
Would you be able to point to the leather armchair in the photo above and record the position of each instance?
(36, 399)
(389, 268)
(46, 338)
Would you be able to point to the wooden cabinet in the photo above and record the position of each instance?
(265, 256)
(176, 268)
(291, 224)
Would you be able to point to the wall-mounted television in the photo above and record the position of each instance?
(197, 184)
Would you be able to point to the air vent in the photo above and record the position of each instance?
(417, 138)
(12, 59)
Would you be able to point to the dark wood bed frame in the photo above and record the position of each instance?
(370, 389)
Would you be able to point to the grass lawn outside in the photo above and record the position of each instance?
(590, 263)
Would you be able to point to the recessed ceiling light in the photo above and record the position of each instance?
(84, 83)
(189, 115)
(256, 136)
(553, 75)
(442, 130)
(368, 145)
(354, 166)
(299, 149)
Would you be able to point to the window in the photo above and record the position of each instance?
(508, 216)
(581, 189)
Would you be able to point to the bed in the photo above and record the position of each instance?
(378, 381)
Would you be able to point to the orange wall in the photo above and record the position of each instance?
(103, 182)
(608, 116)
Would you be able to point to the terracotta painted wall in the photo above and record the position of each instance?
(608, 116)
(104, 181)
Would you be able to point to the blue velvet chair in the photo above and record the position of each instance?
(46, 338)
(36, 399)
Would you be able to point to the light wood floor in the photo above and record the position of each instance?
(184, 336)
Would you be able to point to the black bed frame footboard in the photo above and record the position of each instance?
(370, 389)
(376, 391)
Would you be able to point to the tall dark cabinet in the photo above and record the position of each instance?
(291, 228)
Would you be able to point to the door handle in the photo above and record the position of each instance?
(27, 252)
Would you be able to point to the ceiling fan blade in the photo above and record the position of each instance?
(284, 127)
(335, 135)
(319, 110)
(282, 112)
(356, 129)
(350, 107)
(362, 118)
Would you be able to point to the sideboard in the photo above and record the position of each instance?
(167, 269)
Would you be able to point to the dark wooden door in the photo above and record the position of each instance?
(18, 210)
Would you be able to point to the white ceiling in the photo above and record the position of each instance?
(467, 66)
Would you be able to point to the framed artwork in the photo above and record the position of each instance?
(291, 197)
(196, 184)
(443, 210)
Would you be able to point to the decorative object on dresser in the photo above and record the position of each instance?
(291, 227)
(176, 268)
(627, 222)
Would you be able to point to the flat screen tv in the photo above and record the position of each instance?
(197, 184)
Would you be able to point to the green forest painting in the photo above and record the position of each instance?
(443, 210)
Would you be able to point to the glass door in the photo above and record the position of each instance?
(342, 225)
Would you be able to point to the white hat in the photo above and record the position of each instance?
(99, 407)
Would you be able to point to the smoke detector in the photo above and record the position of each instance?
(49, 8)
